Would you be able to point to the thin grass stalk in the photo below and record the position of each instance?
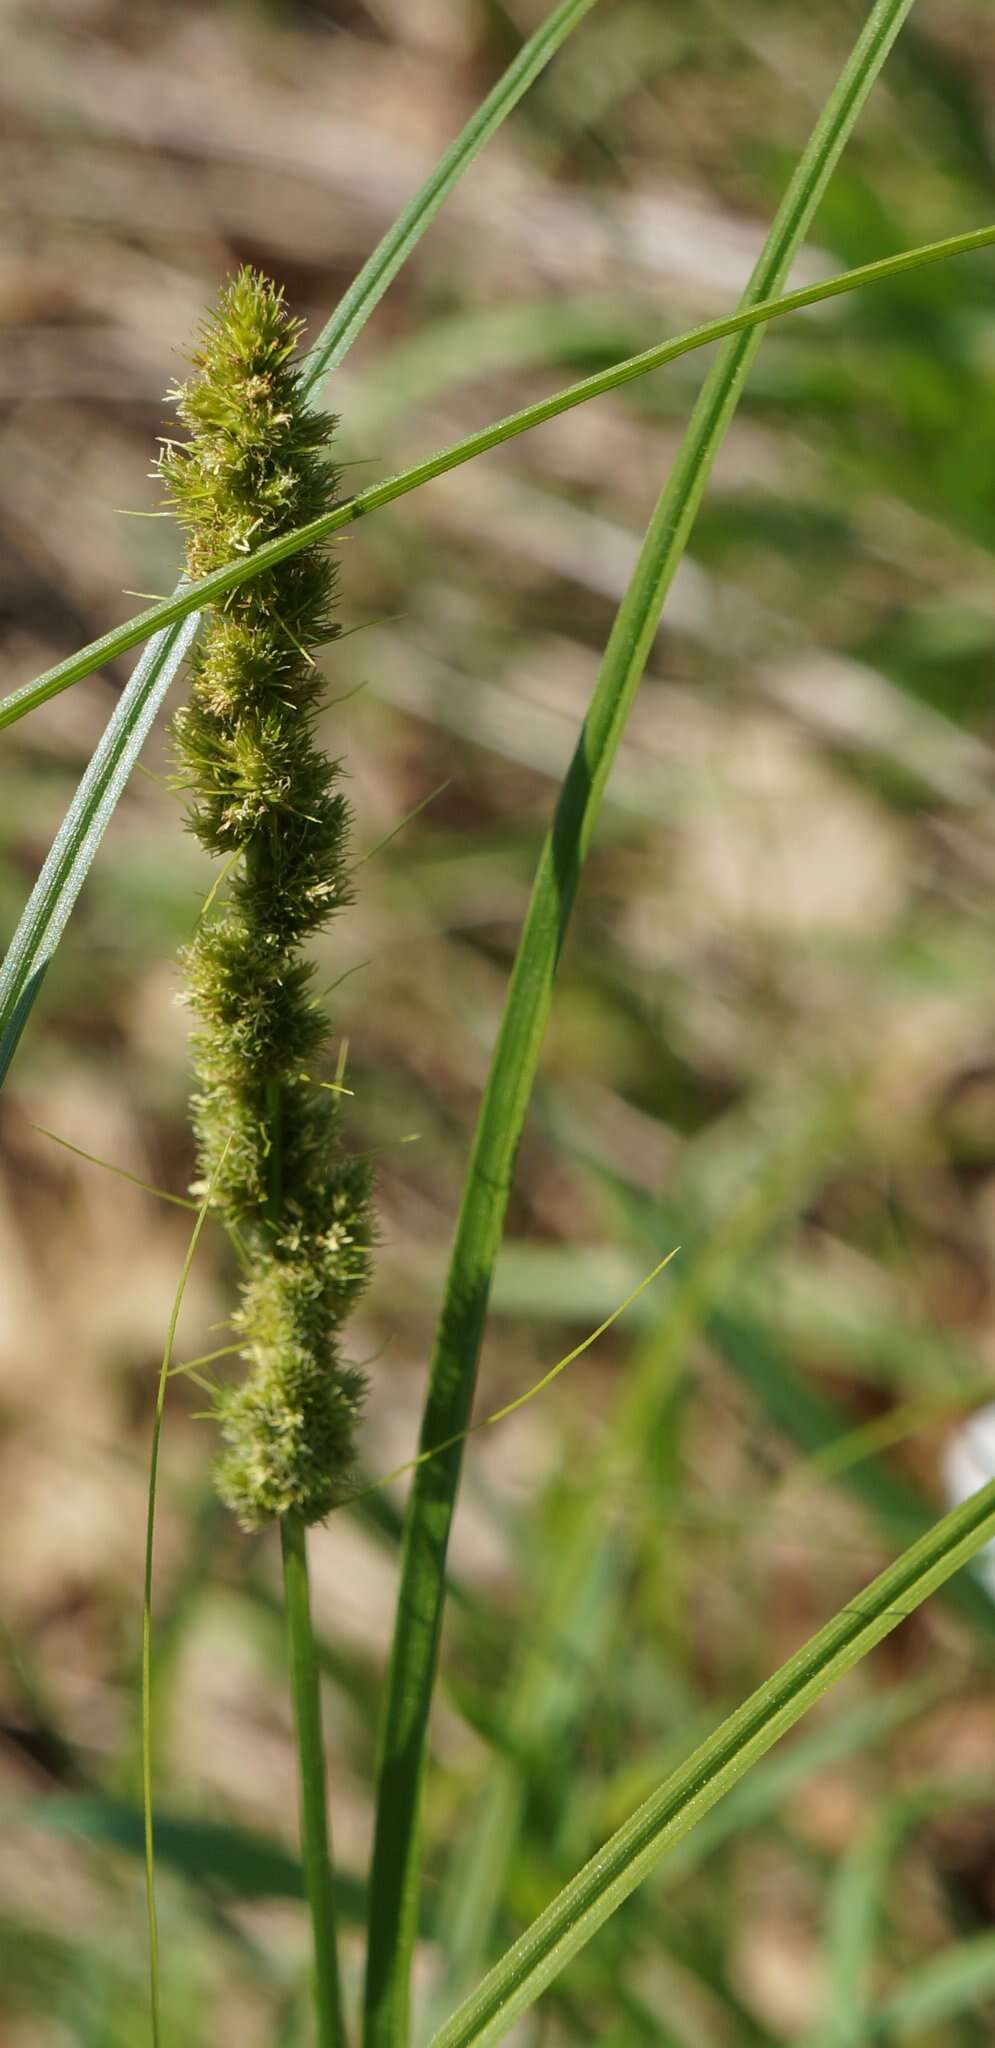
(47, 913)
(265, 798)
(315, 1848)
(208, 589)
(722, 1761)
(395, 1873)
(50, 906)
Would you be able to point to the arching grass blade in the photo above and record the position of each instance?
(718, 1764)
(233, 574)
(394, 1885)
(58, 886)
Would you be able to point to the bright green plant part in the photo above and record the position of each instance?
(394, 1883)
(258, 787)
(263, 796)
(55, 893)
(841, 1734)
(209, 589)
(595, 1546)
(510, 1407)
(120, 1172)
(714, 1768)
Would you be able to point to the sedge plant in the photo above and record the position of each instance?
(262, 796)
(255, 488)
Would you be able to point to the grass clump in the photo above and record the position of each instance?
(262, 795)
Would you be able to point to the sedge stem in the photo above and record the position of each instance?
(315, 1849)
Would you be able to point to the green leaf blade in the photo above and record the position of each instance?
(394, 1884)
(233, 574)
(54, 896)
(719, 1763)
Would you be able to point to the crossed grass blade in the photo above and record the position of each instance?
(54, 896)
(713, 1769)
(395, 1873)
(232, 575)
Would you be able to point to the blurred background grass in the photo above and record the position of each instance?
(772, 1042)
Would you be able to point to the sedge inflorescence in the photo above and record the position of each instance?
(262, 795)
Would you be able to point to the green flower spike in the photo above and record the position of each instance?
(264, 797)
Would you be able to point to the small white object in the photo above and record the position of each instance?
(969, 1462)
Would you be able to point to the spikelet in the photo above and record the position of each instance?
(264, 797)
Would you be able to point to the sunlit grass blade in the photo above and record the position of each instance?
(120, 1172)
(520, 1400)
(54, 895)
(382, 267)
(768, 1788)
(394, 1884)
(714, 1768)
(592, 1550)
(210, 589)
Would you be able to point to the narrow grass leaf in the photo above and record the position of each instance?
(394, 1884)
(209, 589)
(594, 1548)
(714, 1768)
(510, 1407)
(119, 1172)
(769, 1787)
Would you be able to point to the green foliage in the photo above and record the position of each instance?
(597, 1683)
(263, 796)
(515, 1061)
(219, 582)
(52, 900)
